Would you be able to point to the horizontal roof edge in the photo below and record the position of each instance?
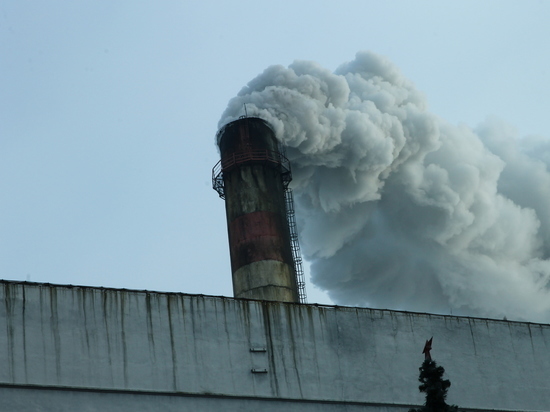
(339, 307)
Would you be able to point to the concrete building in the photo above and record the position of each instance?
(74, 348)
(69, 348)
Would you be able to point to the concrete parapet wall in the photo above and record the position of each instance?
(92, 341)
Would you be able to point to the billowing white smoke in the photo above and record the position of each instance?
(398, 208)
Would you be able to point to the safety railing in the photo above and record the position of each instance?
(267, 157)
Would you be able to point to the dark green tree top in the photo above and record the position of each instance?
(433, 385)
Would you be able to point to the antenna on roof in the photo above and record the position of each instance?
(245, 115)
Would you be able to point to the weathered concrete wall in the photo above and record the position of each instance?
(106, 347)
(37, 399)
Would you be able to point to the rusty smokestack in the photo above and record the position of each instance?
(252, 176)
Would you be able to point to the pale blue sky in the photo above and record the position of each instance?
(108, 112)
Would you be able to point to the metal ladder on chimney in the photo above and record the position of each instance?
(295, 246)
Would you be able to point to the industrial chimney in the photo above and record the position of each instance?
(253, 176)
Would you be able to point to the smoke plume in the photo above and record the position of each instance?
(398, 208)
